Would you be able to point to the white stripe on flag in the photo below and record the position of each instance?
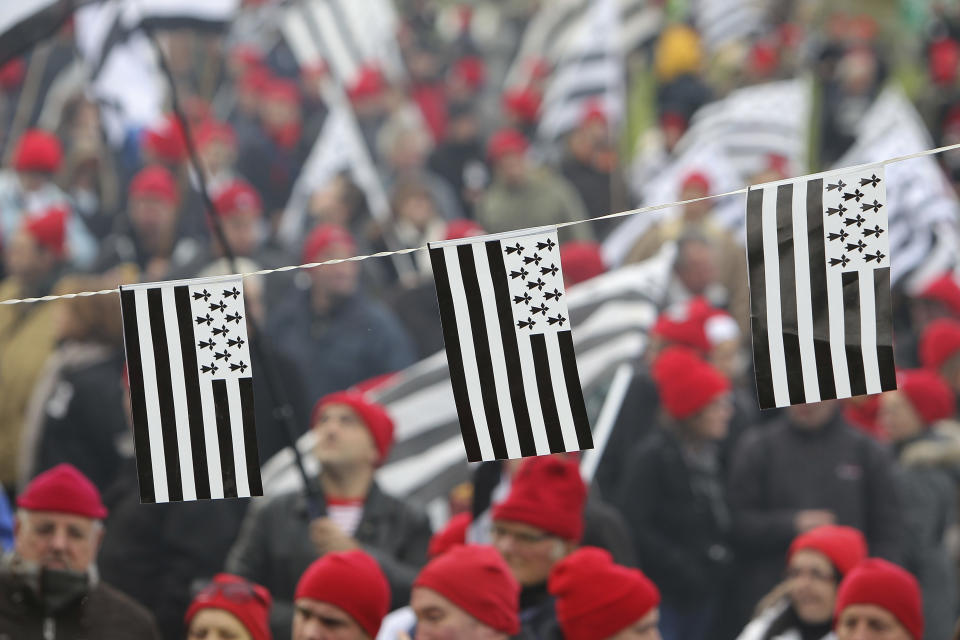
(531, 391)
(811, 386)
(771, 261)
(151, 397)
(179, 393)
(236, 432)
(838, 338)
(567, 428)
(868, 331)
(210, 437)
(471, 370)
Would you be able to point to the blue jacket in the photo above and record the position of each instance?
(6, 522)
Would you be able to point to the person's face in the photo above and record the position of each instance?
(713, 420)
(216, 156)
(242, 229)
(216, 624)
(153, 217)
(337, 280)
(512, 168)
(528, 551)
(343, 438)
(643, 629)
(898, 417)
(418, 210)
(57, 540)
(440, 619)
(869, 622)
(813, 415)
(699, 268)
(315, 620)
(23, 258)
(32, 180)
(327, 205)
(279, 113)
(463, 128)
(695, 211)
(812, 586)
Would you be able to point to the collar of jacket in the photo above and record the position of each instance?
(373, 503)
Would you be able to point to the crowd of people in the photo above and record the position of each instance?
(706, 519)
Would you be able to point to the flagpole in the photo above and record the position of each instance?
(283, 410)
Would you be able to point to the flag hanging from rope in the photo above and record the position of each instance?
(191, 389)
(819, 261)
(509, 347)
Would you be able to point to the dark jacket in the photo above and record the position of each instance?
(782, 469)
(680, 534)
(103, 614)
(274, 547)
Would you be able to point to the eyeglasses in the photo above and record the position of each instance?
(793, 573)
(239, 592)
(518, 536)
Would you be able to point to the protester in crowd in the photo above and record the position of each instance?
(848, 479)
(49, 584)
(930, 469)
(673, 495)
(229, 607)
(281, 537)
(940, 351)
(459, 158)
(678, 63)
(879, 601)
(333, 331)
(802, 605)
(344, 595)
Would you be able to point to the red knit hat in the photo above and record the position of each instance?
(369, 83)
(166, 140)
(547, 493)
(686, 383)
(282, 90)
(462, 228)
(522, 104)
(472, 70)
(38, 150)
(454, 533)
(237, 196)
(49, 229)
(374, 417)
(597, 598)
(478, 580)
(944, 290)
(352, 581)
(504, 142)
(581, 261)
(65, 490)
(247, 602)
(213, 131)
(845, 547)
(928, 393)
(593, 112)
(696, 324)
(154, 182)
(696, 179)
(887, 586)
(939, 342)
(322, 237)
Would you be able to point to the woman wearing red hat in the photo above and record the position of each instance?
(801, 607)
(928, 450)
(229, 608)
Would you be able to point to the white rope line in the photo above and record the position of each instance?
(618, 214)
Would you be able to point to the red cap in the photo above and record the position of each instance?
(547, 493)
(462, 228)
(476, 579)
(154, 182)
(928, 393)
(214, 131)
(523, 104)
(237, 196)
(374, 416)
(944, 56)
(597, 598)
(166, 140)
(247, 602)
(504, 142)
(944, 290)
(38, 150)
(11, 74)
(322, 237)
(369, 83)
(940, 342)
(594, 112)
(65, 490)
(472, 70)
(581, 261)
(696, 324)
(862, 411)
(696, 179)
(49, 229)
(282, 90)
(686, 383)
(885, 585)
(763, 58)
(255, 80)
(450, 536)
(352, 581)
(845, 547)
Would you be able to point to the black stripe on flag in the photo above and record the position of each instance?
(451, 339)
(168, 419)
(138, 401)
(250, 437)
(222, 409)
(574, 392)
(191, 378)
(884, 306)
(758, 300)
(851, 331)
(548, 401)
(788, 294)
(511, 350)
(816, 250)
(481, 349)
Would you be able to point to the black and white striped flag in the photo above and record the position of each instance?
(509, 347)
(191, 389)
(819, 258)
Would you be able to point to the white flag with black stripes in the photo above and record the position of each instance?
(191, 389)
(509, 347)
(818, 250)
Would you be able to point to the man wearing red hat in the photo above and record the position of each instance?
(522, 195)
(879, 601)
(49, 586)
(279, 540)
